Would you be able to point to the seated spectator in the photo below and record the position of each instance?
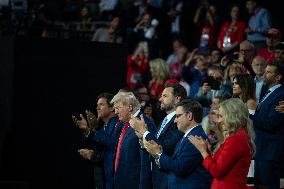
(229, 165)
(111, 34)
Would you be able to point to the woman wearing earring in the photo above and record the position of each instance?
(229, 164)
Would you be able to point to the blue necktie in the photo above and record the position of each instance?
(162, 126)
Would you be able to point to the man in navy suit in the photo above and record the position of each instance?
(167, 135)
(103, 141)
(185, 165)
(131, 163)
(269, 130)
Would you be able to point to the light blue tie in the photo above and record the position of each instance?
(162, 126)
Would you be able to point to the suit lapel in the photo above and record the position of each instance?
(167, 125)
(129, 130)
(269, 98)
(180, 144)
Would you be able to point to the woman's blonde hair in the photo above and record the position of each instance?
(236, 116)
(161, 69)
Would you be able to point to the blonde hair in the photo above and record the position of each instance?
(161, 69)
(126, 98)
(237, 117)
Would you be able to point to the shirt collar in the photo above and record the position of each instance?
(188, 131)
(171, 115)
(274, 88)
(136, 113)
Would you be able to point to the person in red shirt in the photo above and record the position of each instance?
(232, 32)
(160, 74)
(137, 65)
(229, 164)
(273, 37)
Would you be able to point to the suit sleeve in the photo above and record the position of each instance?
(228, 157)
(172, 136)
(145, 172)
(185, 164)
(271, 122)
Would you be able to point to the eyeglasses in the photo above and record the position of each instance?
(178, 115)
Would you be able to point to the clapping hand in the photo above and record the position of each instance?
(202, 145)
(92, 120)
(152, 147)
(280, 107)
(86, 153)
(80, 123)
(138, 125)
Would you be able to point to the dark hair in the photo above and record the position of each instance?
(247, 85)
(192, 106)
(279, 69)
(179, 90)
(212, 82)
(107, 96)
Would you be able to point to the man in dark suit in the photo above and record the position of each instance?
(167, 135)
(131, 163)
(103, 141)
(185, 165)
(268, 124)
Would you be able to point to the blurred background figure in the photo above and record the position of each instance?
(258, 25)
(273, 37)
(232, 32)
(160, 73)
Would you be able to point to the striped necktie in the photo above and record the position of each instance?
(162, 126)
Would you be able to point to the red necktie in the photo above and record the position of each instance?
(117, 154)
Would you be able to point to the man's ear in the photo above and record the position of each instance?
(278, 78)
(178, 99)
(190, 116)
(130, 108)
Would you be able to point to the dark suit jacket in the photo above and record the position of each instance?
(108, 138)
(268, 125)
(133, 169)
(185, 165)
(168, 140)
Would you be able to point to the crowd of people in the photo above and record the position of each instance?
(204, 102)
(202, 115)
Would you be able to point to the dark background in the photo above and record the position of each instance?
(44, 82)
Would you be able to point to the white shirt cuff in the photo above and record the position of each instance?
(145, 134)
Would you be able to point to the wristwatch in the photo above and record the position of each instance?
(158, 155)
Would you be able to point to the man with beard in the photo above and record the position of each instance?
(167, 134)
(268, 126)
